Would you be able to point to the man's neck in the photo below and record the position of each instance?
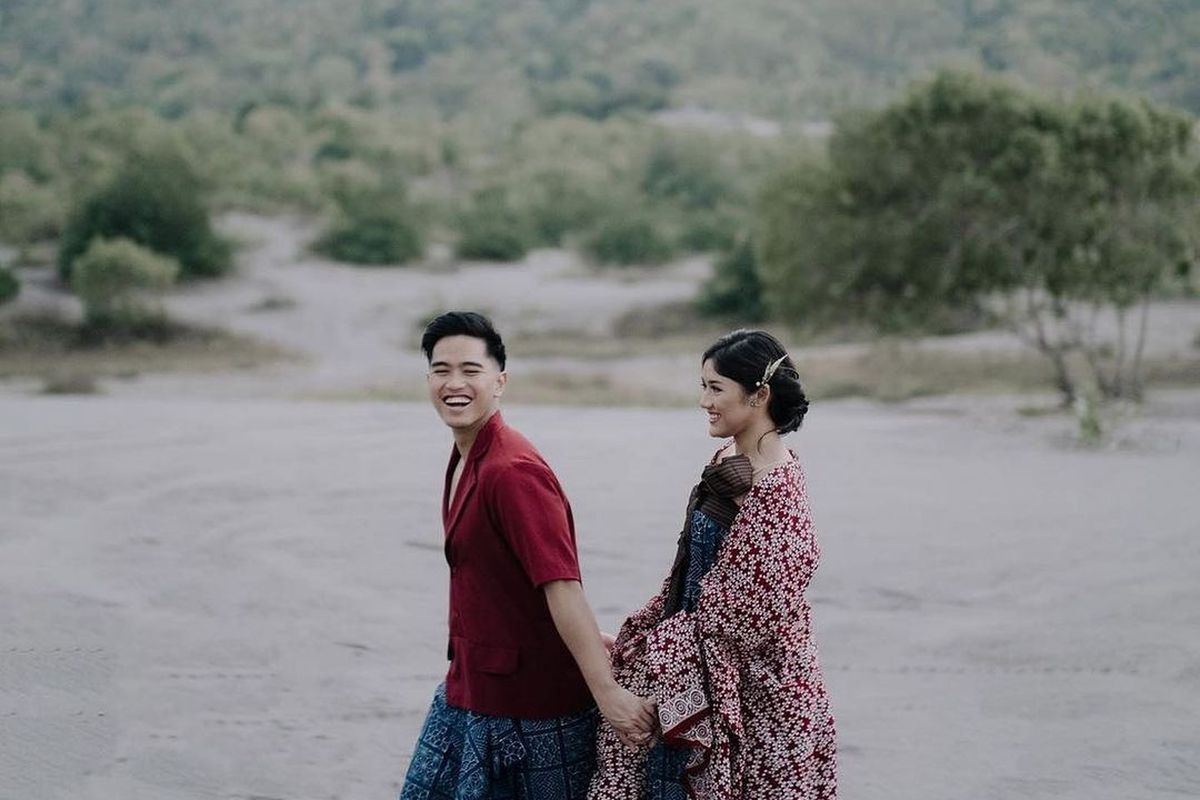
(464, 438)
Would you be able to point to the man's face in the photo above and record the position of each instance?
(465, 383)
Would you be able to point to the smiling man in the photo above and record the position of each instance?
(516, 716)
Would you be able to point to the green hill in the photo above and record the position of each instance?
(500, 61)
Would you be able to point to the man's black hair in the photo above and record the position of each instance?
(463, 323)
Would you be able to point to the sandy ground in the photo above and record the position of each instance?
(210, 588)
(217, 599)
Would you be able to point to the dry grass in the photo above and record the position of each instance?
(48, 347)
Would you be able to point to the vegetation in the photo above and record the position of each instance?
(10, 287)
(628, 239)
(503, 62)
(553, 101)
(373, 227)
(491, 229)
(970, 190)
(112, 280)
(735, 290)
(154, 199)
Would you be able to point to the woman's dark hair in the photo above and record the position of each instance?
(463, 323)
(744, 356)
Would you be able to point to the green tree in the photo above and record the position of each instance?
(969, 189)
(492, 229)
(156, 200)
(373, 226)
(10, 286)
(29, 212)
(626, 240)
(113, 279)
(735, 290)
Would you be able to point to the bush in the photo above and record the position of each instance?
(10, 287)
(23, 146)
(685, 172)
(29, 212)
(708, 233)
(373, 227)
(559, 205)
(111, 280)
(155, 201)
(627, 240)
(491, 230)
(735, 289)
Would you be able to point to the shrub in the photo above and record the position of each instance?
(23, 146)
(29, 212)
(707, 233)
(491, 230)
(627, 240)
(735, 289)
(112, 278)
(373, 227)
(686, 172)
(559, 205)
(155, 201)
(10, 287)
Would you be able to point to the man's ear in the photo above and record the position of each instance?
(501, 382)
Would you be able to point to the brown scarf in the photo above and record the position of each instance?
(719, 485)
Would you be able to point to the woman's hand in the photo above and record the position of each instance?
(609, 640)
(632, 717)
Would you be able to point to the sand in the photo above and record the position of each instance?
(211, 587)
(217, 599)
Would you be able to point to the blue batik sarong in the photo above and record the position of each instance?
(462, 755)
(664, 765)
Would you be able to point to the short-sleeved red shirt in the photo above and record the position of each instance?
(509, 531)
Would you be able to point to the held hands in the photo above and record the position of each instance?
(632, 717)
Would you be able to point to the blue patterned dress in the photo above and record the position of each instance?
(462, 755)
(664, 767)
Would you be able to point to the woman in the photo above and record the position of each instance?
(725, 649)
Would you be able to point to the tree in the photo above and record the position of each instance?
(374, 226)
(970, 189)
(491, 229)
(735, 289)
(156, 200)
(628, 239)
(112, 279)
(10, 287)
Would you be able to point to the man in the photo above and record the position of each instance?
(516, 716)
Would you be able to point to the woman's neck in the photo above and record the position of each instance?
(761, 444)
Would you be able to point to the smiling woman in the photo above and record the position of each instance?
(725, 649)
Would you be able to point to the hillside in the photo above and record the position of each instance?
(503, 60)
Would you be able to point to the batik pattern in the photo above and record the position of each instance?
(765, 729)
(462, 755)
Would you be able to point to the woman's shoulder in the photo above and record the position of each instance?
(784, 483)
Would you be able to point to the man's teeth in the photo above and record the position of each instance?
(457, 401)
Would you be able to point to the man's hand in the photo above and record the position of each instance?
(632, 717)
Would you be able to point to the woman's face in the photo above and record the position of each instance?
(726, 403)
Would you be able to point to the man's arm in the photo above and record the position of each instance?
(631, 716)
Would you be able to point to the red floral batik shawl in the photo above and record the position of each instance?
(737, 681)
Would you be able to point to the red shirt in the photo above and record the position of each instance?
(508, 531)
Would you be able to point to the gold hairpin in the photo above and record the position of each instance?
(769, 372)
